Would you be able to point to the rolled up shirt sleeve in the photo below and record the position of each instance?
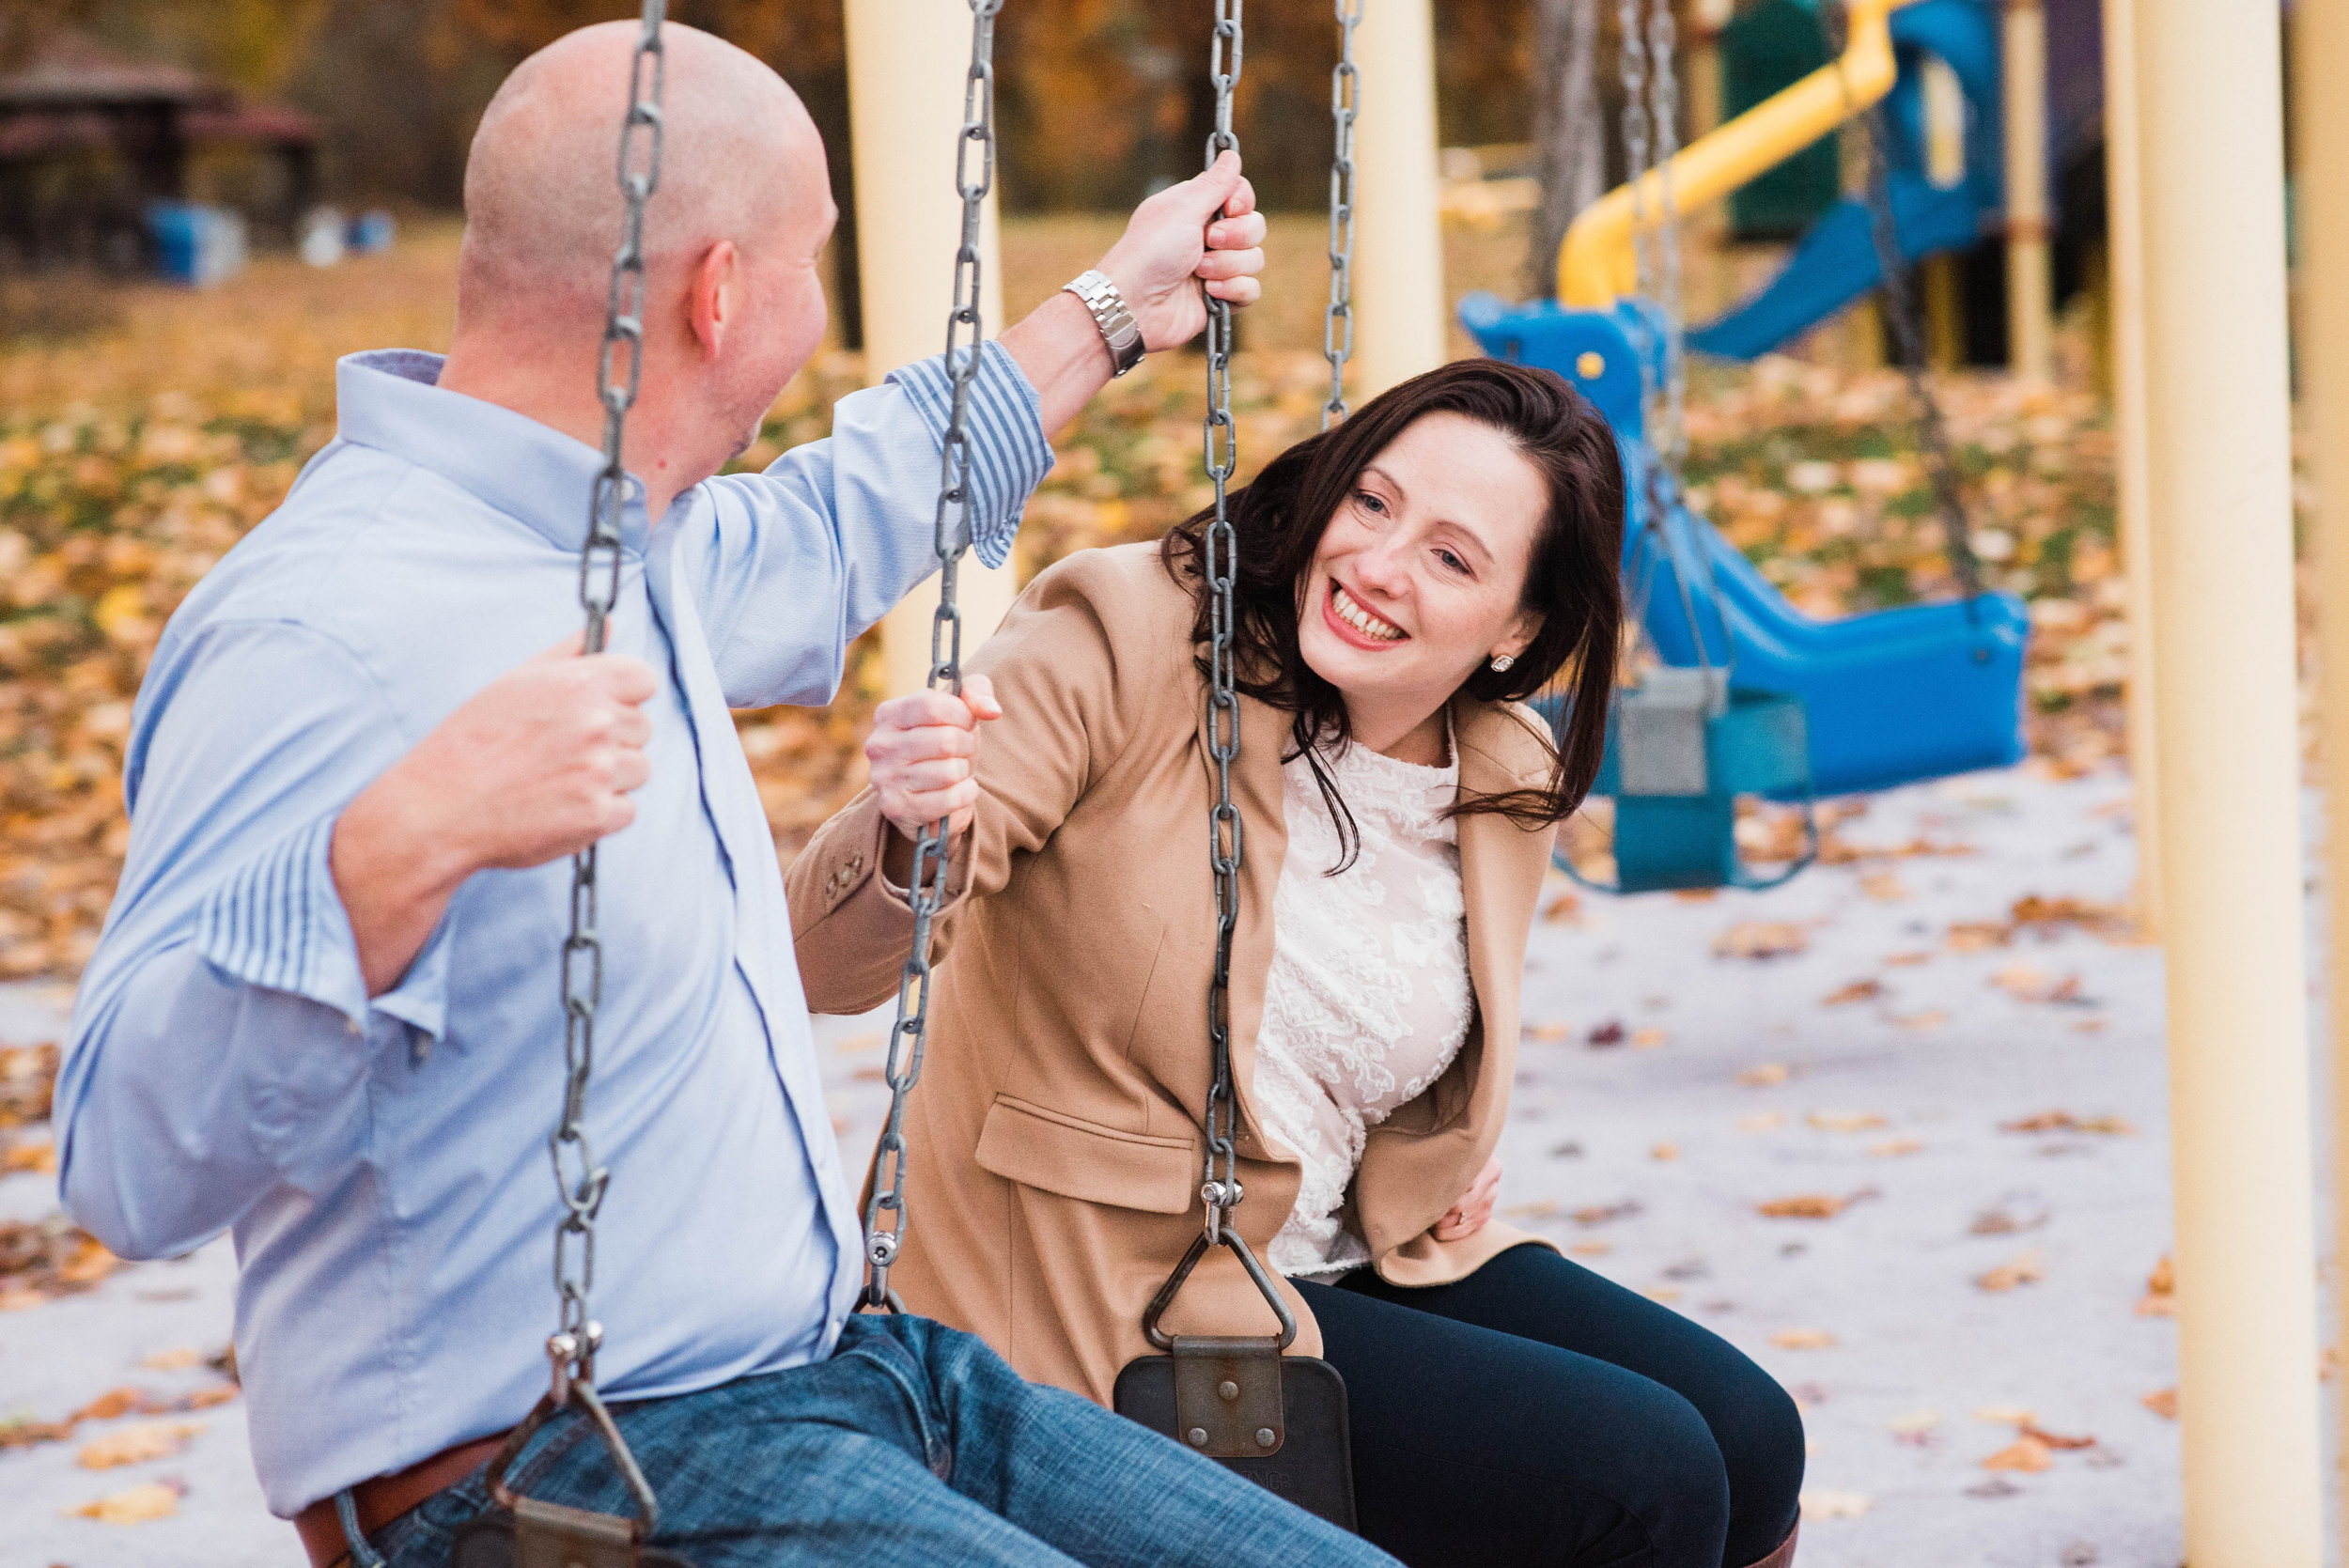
(222, 1038)
(791, 564)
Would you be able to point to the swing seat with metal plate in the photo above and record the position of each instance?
(1891, 697)
(1682, 745)
(1239, 1400)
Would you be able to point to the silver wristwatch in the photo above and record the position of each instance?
(1119, 329)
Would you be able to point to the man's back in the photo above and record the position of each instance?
(388, 1184)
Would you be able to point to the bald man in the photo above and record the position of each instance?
(325, 1013)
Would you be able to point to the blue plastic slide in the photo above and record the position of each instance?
(1836, 262)
(1892, 697)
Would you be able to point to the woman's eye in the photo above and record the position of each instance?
(1451, 562)
(1369, 503)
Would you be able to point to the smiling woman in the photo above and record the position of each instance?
(1457, 536)
(1403, 580)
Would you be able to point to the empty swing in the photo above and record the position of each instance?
(1751, 697)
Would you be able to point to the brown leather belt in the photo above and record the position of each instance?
(387, 1496)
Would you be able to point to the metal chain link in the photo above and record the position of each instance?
(1903, 318)
(571, 1348)
(1671, 441)
(926, 889)
(1219, 1187)
(1337, 327)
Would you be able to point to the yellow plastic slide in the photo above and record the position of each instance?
(1596, 264)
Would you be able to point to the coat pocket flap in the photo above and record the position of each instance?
(1054, 1153)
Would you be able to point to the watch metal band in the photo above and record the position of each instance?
(1119, 329)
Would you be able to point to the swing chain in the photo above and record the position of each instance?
(1337, 329)
(925, 891)
(1904, 317)
(1664, 116)
(1219, 1187)
(571, 1348)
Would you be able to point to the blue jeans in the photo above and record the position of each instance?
(913, 1447)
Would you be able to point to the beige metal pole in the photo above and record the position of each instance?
(2320, 39)
(2125, 249)
(1398, 239)
(907, 60)
(2219, 422)
(2029, 284)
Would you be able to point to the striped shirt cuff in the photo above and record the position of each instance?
(278, 921)
(1009, 455)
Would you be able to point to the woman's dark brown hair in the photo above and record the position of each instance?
(1571, 581)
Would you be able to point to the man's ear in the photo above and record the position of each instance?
(715, 297)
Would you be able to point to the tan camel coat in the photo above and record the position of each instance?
(1055, 1136)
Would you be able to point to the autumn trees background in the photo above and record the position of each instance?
(1099, 98)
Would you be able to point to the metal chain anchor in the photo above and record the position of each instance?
(1219, 1187)
(572, 1346)
(1337, 327)
(1904, 317)
(927, 890)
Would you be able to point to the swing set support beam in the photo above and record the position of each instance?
(907, 62)
(2218, 418)
(2321, 143)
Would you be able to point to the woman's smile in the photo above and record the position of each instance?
(1355, 624)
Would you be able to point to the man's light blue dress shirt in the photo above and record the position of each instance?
(384, 1163)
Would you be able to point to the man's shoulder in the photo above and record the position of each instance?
(362, 527)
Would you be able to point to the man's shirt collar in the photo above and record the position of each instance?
(389, 399)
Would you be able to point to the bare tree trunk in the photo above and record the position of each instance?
(1568, 131)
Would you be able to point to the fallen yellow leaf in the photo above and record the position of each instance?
(1767, 1076)
(1932, 1018)
(2025, 1270)
(1805, 1205)
(1914, 1421)
(1761, 938)
(1858, 990)
(39, 1158)
(2005, 1415)
(1845, 1121)
(1885, 887)
(176, 1360)
(1549, 1033)
(1591, 1249)
(856, 1042)
(1820, 1503)
(1647, 1039)
(1762, 1120)
(136, 1444)
(1975, 936)
(138, 1506)
(2027, 1454)
(2162, 1402)
(1892, 1148)
(1665, 1152)
(1803, 1339)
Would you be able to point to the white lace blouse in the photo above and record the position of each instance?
(1368, 1000)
